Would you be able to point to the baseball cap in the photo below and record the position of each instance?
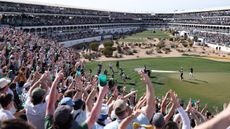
(78, 104)
(102, 80)
(66, 101)
(158, 120)
(4, 82)
(120, 106)
(104, 112)
(38, 92)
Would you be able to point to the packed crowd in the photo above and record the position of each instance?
(210, 37)
(211, 13)
(201, 20)
(46, 86)
(73, 35)
(87, 33)
(44, 20)
(32, 8)
(46, 9)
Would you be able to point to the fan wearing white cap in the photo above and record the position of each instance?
(121, 109)
(102, 119)
(4, 86)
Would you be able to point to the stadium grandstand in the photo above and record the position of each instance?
(68, 24)
(45, 83)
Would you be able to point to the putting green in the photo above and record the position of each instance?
(211, 84)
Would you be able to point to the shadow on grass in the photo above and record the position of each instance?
(159, 83)
(127, 83)
(153, 77)
(192, 82)
(201, 81)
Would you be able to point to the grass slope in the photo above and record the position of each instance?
(141, 37)
(211, 84)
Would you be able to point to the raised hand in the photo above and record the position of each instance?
(189, 106)
(136, 113)
(45, 76)
(175, 99)
(60, 75)
(104, 89)
(145, 77)
(115, 92)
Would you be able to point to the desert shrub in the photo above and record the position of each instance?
(126, 48)
(108, 44)
(185, 44)
(149, 52)
(180, 50)
(159, 51)
(88, 56)
(108, 51)
(167, 49)
(170, 39)
(161, 44)
(94, 46)
(119, 50)
(114, 48)
(129, 53)
(134, 51)
(139, 44)
(173, 46)
(195, 38)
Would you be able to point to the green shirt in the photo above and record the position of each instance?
(49, 123)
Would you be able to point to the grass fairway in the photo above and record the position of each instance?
(211, 84)
(141, 37)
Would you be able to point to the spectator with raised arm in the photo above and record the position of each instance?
(126, 120)
(220, 121)
(61, 117)
(184, 116)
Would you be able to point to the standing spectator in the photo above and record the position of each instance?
(121, 109)
(35, 105)
(4, 88)
(15, 124)
(6, 112)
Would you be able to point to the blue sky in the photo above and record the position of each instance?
(141, 5)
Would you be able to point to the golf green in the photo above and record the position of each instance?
(210, 83)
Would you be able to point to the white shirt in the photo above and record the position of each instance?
(142, 119)
(36, 114)
(81, 116)
(97, 126)
(184, 118)
(5, 115)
